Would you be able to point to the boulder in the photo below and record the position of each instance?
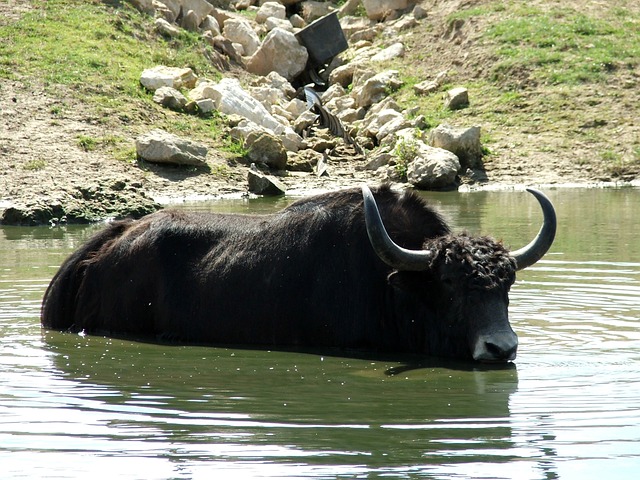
(165, 28)
(161, 76)
(271, 10)
(342, 75)
(230, 98)
(159, 146)
(377, 87)
(297, 21)
(312, 10)
(263, 147)
(389, 53)
(373, 123)
(456, 98)
(262, 184)
(280, 52)
(210, 24)
(273, 23)
(381, 9)
(170, 97)
(167, 9)
(145, 6)
(392, 127)
(190, 21)
(432, 168)
(464, 142)
(200, 9)
(239, 31)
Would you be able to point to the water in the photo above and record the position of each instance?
(74, 407)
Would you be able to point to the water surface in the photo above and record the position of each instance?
(74, 406)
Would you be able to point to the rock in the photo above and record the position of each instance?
(464, 142)
(190, 21)
(392, 127)
(304, 161)
(159, 146)
(266, 148)
(405, 22)
(312, 10)
(200, 9)
(389, 53)
(373, 123)
(271, 10)
(377, 88)
(432, 168)
(273, 23)
(231, 98)
(210, 24)
(280, 52)
(243, 4)
(456, 98)
(165, 28)
(170, 97)
(240, 31)
(275, 80)
(145, 6)
(297, 21)
(430, 86)
(342, 75)
(381, 9)
(304, 121)
(349, 7)
(352, 25)
(161, 76)
(167, 9)
(419, 12)
(378, 160)
(262, 184)
(202, 106)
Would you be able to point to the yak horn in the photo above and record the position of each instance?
(534, 251)
(389, 252)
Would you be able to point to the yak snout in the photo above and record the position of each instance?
(496, 347)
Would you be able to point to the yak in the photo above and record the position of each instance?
(374, 270)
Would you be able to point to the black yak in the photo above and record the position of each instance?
(349, 270)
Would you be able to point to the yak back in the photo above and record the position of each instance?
(136, 277)
(59, 302)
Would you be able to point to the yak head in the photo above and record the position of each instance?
(465, 281)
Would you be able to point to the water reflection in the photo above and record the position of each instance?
(285, 407)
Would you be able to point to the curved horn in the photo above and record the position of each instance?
(534, 251)
(389, 252)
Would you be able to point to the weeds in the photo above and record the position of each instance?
(35, 164)
(405, 152)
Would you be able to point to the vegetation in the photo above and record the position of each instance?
(543, 67)
(554, 70)
(94, 54)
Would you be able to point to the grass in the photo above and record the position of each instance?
(563, 46)
(36, 164)
(96, 51)
(544, 68)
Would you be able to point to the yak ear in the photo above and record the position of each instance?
(410, 282)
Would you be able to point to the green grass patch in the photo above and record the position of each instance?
(96, 52)
(35, 164)
(562, 46)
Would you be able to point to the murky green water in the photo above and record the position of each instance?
(75, 407)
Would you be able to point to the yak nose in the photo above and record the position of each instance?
(496, 347)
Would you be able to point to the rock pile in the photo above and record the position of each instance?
(270, 115)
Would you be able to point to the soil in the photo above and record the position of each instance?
(46, 176)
